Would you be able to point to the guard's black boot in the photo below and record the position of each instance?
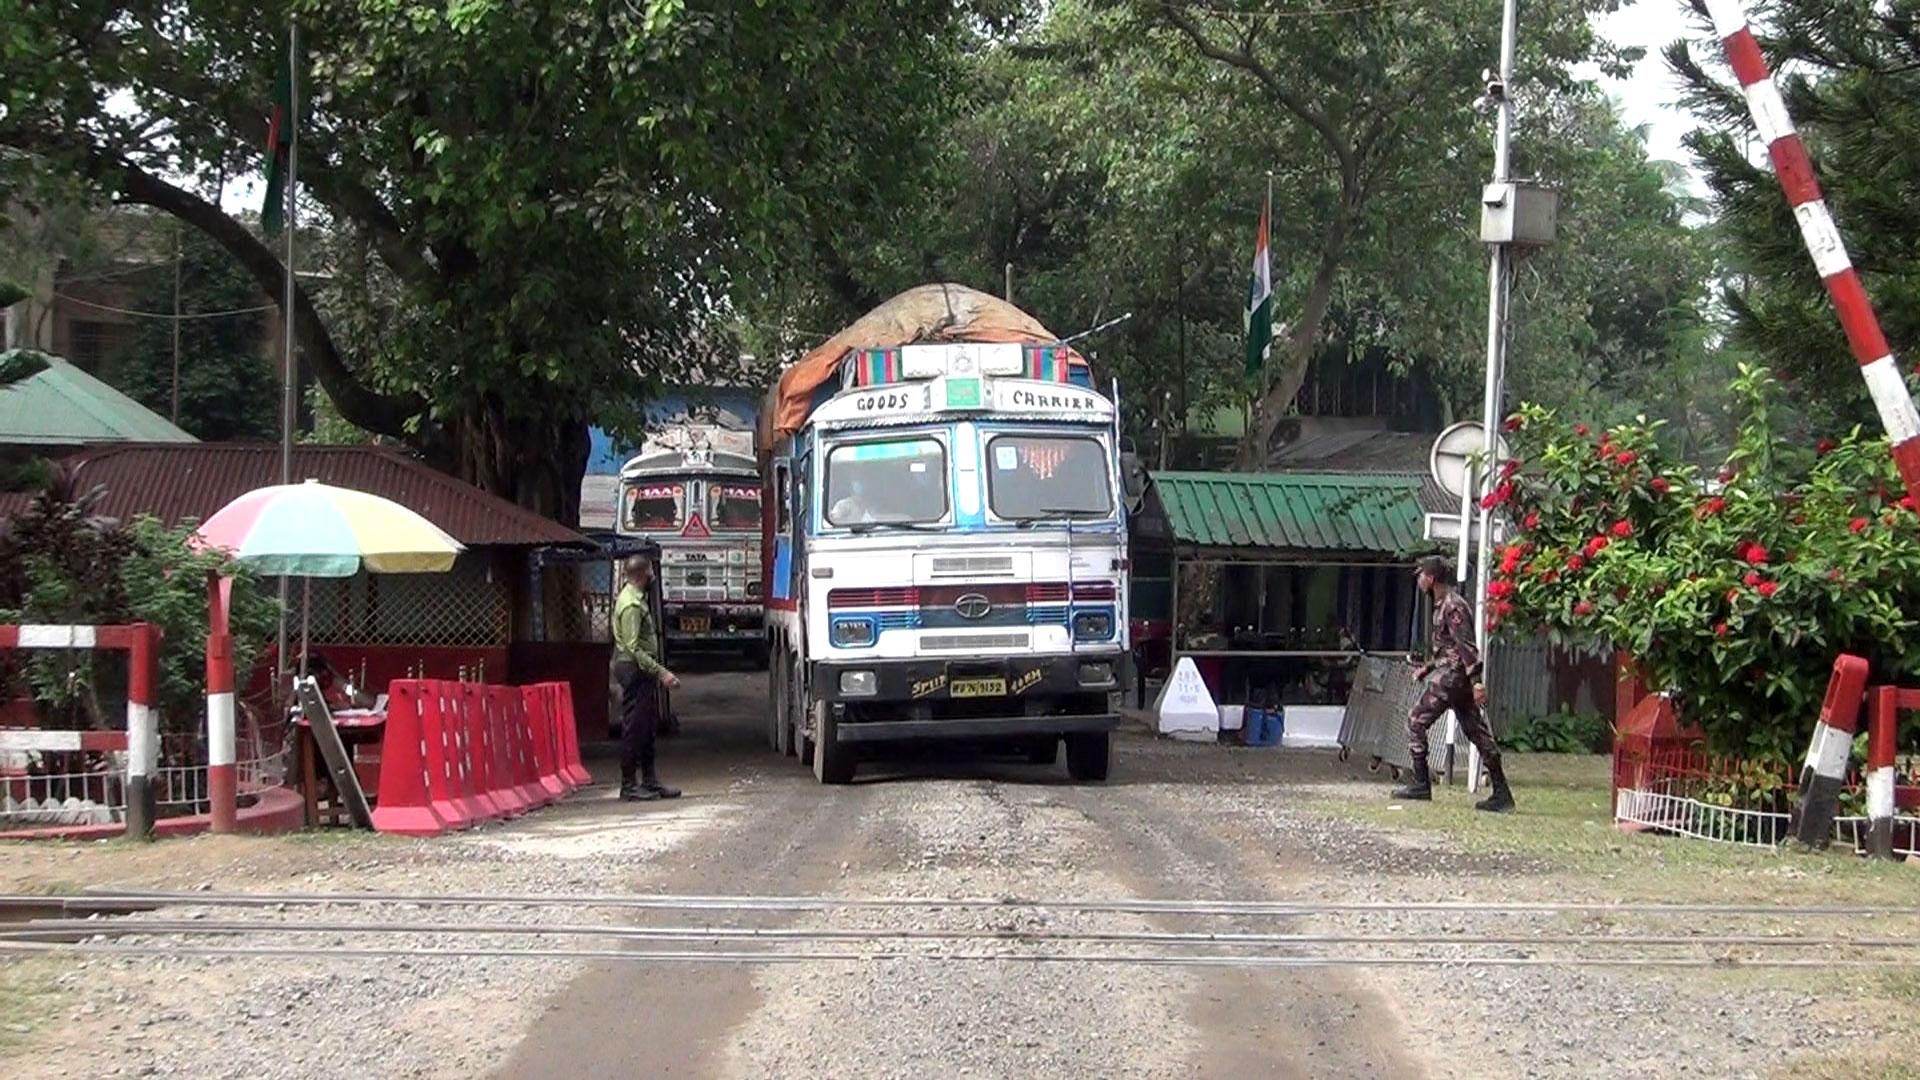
(658, 790)
(632, 792)
(1420, 787)
(1502, 798)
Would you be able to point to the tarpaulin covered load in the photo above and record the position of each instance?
(925, 314)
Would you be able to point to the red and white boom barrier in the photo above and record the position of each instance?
(141, 740)
(1795, 170)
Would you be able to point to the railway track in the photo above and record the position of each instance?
(148, 924)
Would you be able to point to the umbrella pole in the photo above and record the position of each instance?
(306, 618)
(280, 681)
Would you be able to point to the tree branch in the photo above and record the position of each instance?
(379, 413)
(1244, 59)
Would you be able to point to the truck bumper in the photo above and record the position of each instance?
(974, 727)
(1009, 681)
(713, 624)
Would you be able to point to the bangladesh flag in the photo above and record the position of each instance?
(273, 213)
(1260, 297)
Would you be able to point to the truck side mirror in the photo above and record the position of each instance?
(1133, 478)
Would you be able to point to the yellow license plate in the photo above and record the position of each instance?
(979, 688)
(694, 624)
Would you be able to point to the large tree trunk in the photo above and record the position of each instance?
(536, 464)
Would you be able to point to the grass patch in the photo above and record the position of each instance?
(28, 998)
(1564, 819)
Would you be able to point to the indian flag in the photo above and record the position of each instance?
(1260, 296)
(273, 210)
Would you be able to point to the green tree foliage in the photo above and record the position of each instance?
(229, 383)
(1119, 169)
(1849, 71)
(60, 562)
(551, 200)
(1734, 587)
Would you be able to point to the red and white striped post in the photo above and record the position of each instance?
(1795, 171)
(1882, 723)
(143, 728)
(141, 643)
(1824, 772)
(223, 789)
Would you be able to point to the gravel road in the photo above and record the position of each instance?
(1178, 821)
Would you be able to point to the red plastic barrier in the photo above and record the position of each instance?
(491, 752)
(449, 784)
(474, 747)
(405, 800)
(539, 720)
(510, 706)
(563, 717)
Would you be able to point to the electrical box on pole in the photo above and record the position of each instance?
(1520, 214)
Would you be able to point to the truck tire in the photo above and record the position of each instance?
(1089, 754)
(833, 760)
(783, 703)
(774, 690)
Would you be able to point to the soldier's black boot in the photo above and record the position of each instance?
(633, 792)
(656, 790)
(1420, 787)
(1502, 798)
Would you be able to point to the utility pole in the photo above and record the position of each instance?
(177, 255)
(1009, 292)
(1499, 272)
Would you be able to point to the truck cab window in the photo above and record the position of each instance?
(1043, 476)
(897, 481)
(733, 506)
(655, 506)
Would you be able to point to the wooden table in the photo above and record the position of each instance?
(357, 727)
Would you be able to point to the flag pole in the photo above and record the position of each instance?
(290, 194)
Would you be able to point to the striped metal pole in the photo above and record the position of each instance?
(143, 728)
(1882, 724)
(1824, 772)
(223, 789)
(1795, 171)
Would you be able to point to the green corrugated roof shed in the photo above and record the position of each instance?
(65, 406)
(1372, 513)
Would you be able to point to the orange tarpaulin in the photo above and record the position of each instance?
(927, 313)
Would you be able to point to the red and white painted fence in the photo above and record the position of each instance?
(1794, 168)
(139, 744)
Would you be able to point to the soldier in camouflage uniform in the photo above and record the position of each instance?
(1454, 662)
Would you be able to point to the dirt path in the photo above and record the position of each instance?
(944, 828)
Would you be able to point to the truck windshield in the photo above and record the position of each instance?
(653, 506)
(733, 506)
(1042, 476)
(892, 481)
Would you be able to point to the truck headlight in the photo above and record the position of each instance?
(858, 684)
(1092, 626)
(852, 633)
(753, 589)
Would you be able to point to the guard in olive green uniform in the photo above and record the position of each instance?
(636, 666)
(1453, 661)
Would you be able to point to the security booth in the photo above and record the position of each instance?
(1277, 583)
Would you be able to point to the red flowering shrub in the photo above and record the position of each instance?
(1796, 555)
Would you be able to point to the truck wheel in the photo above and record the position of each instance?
(833, 761)
(774, 690)
(1043, 752)
(1089, 754)
(783, 704)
